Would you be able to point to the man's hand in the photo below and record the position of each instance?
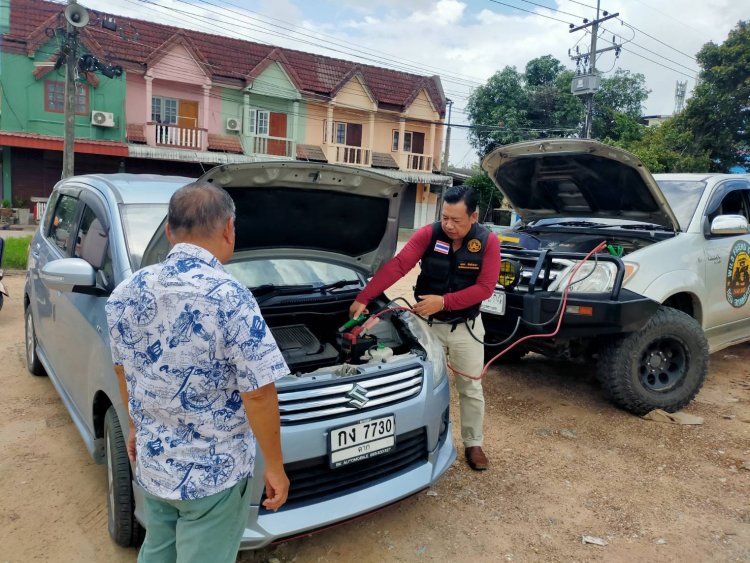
(429, 305)
(356, 309)
(131, 443)
(277, 489)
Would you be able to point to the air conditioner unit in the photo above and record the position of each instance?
(102, 119)
(234, 124)
(585, 84)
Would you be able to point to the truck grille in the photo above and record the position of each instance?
(528, 263)
(314, 480)
(337, 399)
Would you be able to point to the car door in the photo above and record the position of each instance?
(81, 314)
(54, 244)
(727, 311)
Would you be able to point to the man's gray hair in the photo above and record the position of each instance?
(199, 208)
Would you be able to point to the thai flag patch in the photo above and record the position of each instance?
(442, 247)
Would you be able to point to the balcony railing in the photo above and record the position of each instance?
(182, 137)
(421, 162)
(352, 155)
(272, 146)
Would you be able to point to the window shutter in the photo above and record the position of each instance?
(250, 121)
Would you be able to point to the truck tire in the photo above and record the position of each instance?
(121, 523)
(32, 360)
(662, 366)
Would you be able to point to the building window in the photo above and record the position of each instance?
(258, 121)
(394, 146)
(164, 110)
(340, 133)
(407, 141)
(54, 97)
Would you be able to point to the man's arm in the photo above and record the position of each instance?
(262, 408)
(120, 371)
(485, 285)
(394, 269)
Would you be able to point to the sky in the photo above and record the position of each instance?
(467, 41)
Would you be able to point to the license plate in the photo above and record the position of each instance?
(357, 442)
(495, 304)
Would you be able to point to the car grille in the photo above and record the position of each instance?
(314, 480)
(528, 263)
(337, 399)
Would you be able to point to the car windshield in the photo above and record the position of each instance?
(683, 198)
(140, 222)
(281, 272)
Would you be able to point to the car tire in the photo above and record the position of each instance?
(661, 366)
(32, 359)
(123, 528)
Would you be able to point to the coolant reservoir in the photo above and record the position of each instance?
(379, 353)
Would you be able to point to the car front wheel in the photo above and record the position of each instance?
(662, 366)
(123, 527)
(32, 360)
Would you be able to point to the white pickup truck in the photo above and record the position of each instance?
(670, 286)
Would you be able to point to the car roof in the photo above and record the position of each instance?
(700, 177)
(135, 188)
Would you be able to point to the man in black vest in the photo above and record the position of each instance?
(460, 263)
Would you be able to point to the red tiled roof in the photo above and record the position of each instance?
(226, 59)
(135, 133)
(225, 143)
(48, 142)
(311, 152)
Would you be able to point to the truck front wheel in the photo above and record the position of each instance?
(662, 366)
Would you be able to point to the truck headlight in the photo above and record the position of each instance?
(432, 345)
(591, 277)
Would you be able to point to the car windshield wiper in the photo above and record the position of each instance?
(641, 226)
(570, 224)
(264, 292)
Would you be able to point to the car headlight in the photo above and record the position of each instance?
(432, 345)
(591, 277)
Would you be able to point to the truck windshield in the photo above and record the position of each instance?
(683, 198)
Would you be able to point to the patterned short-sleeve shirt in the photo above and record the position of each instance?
(190, 339)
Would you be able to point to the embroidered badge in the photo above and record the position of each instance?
(474, 245)
(442, 247)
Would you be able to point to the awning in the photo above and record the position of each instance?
(48, 142)
(415, 177)
(185, 155)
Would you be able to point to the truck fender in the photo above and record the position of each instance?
(677, 281)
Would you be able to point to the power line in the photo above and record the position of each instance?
(655, 39)
(529, 11)
(658, 63)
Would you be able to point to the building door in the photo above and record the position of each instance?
(354, 134)
(417, 143)
(187, 114)
(277, 128)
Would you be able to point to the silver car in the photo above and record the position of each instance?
(307, 238)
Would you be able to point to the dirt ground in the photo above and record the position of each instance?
(565, 464)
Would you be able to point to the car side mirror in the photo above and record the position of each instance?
(68, 273)
(724, 225)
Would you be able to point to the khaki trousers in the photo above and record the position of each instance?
(467, 356)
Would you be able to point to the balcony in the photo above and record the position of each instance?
(420, 162)
(180, 137)
(352, 155)
(271, 146)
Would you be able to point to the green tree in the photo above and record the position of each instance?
(667, 148)
(718, 114)
(489, 196)
(618, 106)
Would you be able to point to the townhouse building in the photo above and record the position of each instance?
(189, 100)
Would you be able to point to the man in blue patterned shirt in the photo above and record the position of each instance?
(197, 366)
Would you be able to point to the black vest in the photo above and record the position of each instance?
(445, 271)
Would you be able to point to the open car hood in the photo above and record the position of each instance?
(306, 210)
(577, 178)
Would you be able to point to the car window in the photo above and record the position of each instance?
(49, 211)
(63, 224)
(733, 203)
(140, 223)
(683, 198)
(92, 245)
(254, 273)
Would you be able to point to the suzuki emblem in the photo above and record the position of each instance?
(358, 396)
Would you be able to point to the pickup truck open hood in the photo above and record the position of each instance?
(577, 178)
(305, 210)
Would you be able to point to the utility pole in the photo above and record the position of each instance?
(76, 17)
(588, 84)
(444, 164)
